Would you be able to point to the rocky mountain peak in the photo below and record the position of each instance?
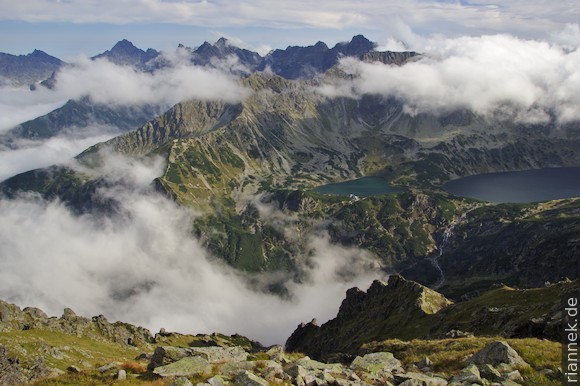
(125, 53)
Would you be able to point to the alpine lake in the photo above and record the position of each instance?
(520, 186)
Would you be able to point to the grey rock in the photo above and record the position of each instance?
(166, 354)
(245, 378)
(216, 380)
(185, 367)
(489, 372)
(468, 375)
(121, 375)
(108, 367)
(231, 369)
(419, 379)
(510, 383)
(220, 354)
(515, 376)
(377, 363)
(496, 353)
(10, 371)
(181, 381)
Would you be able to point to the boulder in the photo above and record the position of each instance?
(185, 367)
(216, 380)
(245, 378)
(489, 372)
(418, 379)
(166, 354)
(496, 353)
(469, 375)
(181, 381)
(217, 354)
(377, 363)
(122, 375)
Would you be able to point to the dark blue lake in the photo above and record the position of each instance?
(521, 186)
(362, 187)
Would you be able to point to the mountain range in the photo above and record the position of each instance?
(284, 139)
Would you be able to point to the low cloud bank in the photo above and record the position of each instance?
(143, 266)
(497, 76)
(30, 155)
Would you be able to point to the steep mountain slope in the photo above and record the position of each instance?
(77, 117)
(27, 69)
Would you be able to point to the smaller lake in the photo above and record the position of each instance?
(363, 187)
(519, 187)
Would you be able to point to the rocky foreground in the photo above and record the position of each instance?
(362, 346)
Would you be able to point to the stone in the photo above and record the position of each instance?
(216, 380)
(10, 370)
(515, 376)
(185, 367)
(377, 363)
(73, 369)
(419, 379)
(497, 352)
(457, 334)
(165, 355)
(277, 354)
(231, 369)
(510, 383)
(425, 364)
(108, 366)
(245, 378)
(489, 372)
(121, 375)
(220, 354)
(69, 314)
(468, 375)
(40, 371)
(181, 381)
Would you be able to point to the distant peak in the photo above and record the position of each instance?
(359, 39)
(222, 42)
(123, 44)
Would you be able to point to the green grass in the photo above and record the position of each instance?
(449, 355)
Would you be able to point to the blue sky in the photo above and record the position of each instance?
(66, 28)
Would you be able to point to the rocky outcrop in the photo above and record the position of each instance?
(97, 327)
(385, 310)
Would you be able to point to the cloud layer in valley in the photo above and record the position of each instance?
(142, 265)
(496, 75)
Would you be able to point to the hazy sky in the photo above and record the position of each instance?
(66, 28)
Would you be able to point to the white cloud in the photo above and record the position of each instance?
(108, 83)
(19, 105)
(142, 265)
(37, 154)
(489, 75)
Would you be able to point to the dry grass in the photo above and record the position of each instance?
(134, 367)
